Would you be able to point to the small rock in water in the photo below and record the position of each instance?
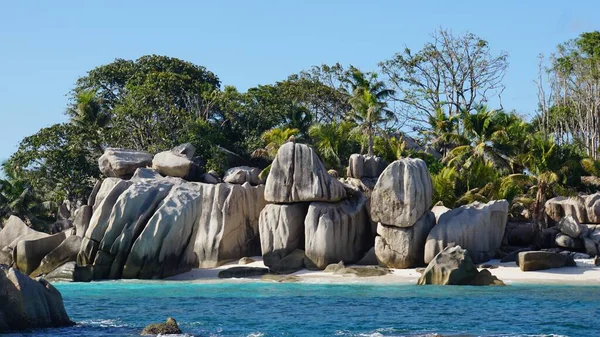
(168, 328)
(597, 261)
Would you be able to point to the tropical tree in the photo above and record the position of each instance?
(451, 73)
(369, 108)
(18, 198)
(273, 139)
(483, 130)
(333, 141)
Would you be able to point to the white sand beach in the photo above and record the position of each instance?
(586, 273)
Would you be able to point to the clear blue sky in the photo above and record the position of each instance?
(46, 45)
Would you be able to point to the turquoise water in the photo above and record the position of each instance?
(121, 308)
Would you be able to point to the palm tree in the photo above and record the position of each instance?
(483, 131)
(330, 140)
(273, 139)
(369, 108)
(89, 115)
(17, 198)
(443, 134)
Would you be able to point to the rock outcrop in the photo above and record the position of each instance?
(243, 174)
(400, 202)
(178, 162)
(364, 166)
(584, 208)
(403, 247)
(155, 228)
(478, 228)
(281, 230)
(27, 303)
(453, 266)
(402, 194)
(298, 175)
(122, 163)
(29, 253)
(336, 231)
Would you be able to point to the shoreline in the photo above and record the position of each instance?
(586, 273)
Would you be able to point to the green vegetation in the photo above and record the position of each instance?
(438, 95)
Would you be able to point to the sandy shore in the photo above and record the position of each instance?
(584, 274)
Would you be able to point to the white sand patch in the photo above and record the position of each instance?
(585, 273)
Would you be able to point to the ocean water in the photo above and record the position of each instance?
(242, 308)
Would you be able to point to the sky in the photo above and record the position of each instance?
(46, 45)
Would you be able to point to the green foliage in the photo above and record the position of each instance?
(334, 142)
(57, 163)
(444, 186)
(369, 108)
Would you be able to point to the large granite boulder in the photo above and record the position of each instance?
(28, 254)
(13, 229)
(81, 222)
(146, 173)
(366, 166)
(122, 163)
(584, 208)
(155, 228)
(129, 215)
(403, 247)
(570, 226)
(539, 260)
(177, 162)
(242, 174)
(453, 266)
(65, 252)
(157, 251)
(565, 241)
(297, 174)
(281, 230)
(337, 231)
(28, 304)
(105, 200)
(290, 263)
(402, 194)
(478, 228)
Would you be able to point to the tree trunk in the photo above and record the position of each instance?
(370, 130)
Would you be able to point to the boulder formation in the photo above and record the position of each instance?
(364, 166)
(402, 194)
(281, 230)
(403, 247)
(453, 266)
(584, 208)
(310, 210)
(27, 303)
(243, 174)
(337, 231)
(400, 203)
(122, 163)
(178, 162)
(298, 175)
(478, 228)
(155, 228)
